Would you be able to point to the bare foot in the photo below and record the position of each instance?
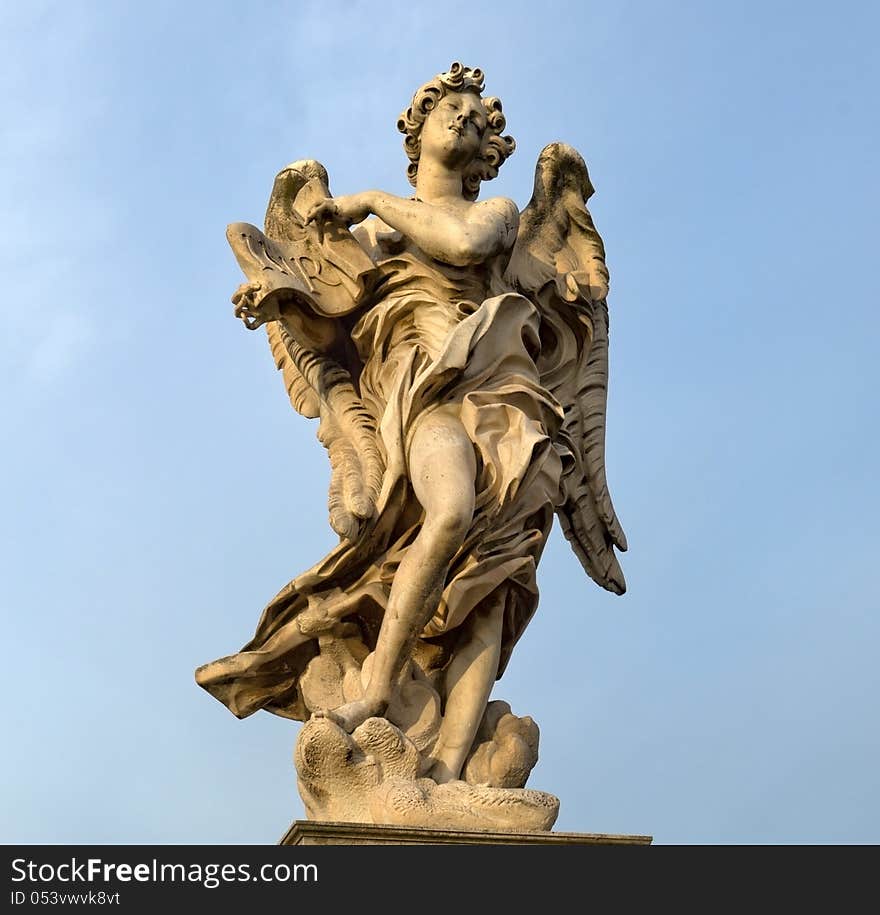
(352, 714)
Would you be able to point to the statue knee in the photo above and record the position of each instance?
(446, 530)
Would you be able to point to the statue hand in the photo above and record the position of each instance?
(350, 209)
(249, 309)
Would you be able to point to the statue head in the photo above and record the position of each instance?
(494, 148)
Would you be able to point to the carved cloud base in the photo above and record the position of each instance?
(372, 776)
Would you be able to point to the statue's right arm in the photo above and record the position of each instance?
(488, 228)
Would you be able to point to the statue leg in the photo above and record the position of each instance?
(469, 682)
(443, 475)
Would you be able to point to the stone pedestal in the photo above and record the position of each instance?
(315, 832)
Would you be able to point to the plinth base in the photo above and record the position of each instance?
(315, 832)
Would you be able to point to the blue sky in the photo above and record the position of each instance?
(156, 488)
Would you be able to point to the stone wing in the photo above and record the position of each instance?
(310, 278)
(559, 263)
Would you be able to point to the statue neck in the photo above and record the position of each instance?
(437, 182)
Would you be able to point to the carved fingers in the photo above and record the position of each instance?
(321, 211)
(348, 210)
(247, 308)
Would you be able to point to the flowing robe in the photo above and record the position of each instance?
(433, 337)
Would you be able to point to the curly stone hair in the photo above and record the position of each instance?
(495, 148)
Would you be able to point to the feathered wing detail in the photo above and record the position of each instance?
(348, 432)
(303, 397)
(559, 263)
(309, 349)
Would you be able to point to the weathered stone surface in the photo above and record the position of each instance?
(373, 776)
(456, 354)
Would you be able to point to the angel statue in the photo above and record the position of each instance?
(456, 353)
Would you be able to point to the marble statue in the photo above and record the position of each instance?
(455, 351)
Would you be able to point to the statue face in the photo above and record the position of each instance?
(453, 131)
